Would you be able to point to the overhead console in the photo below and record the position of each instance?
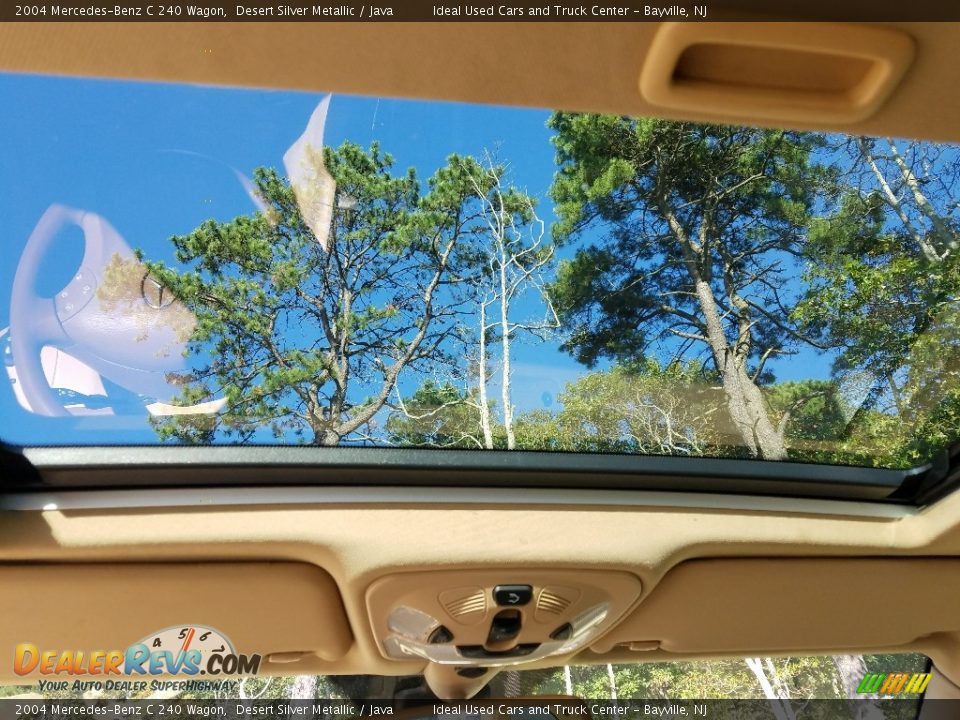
(493, 618)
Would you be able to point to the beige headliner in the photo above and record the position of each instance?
(356, 543)
(573, 66)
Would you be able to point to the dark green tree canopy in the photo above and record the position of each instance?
(311, 341)
(740, 197)
(700, 225)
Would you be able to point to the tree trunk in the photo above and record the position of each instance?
(482, 381)
(567, 680)
(942, 232)
(850, 671)
(613, 682)
(325, 436)
(304, 687)
(505, 344)
(744, 400)
(929, 252)
(743, 392)
(780, 706)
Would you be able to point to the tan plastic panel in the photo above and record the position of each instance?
(262, 607)
(462, 601)
(811, 72)
(753, 605)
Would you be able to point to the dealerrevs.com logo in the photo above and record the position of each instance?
(183, 650)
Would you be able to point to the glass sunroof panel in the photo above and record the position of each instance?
(191, 264)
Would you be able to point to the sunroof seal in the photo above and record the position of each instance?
(43, 468)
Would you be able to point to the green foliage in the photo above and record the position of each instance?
(436, 416)
(643, 408)
(803, 677)
(720, 250)
(883, 290)
(743, 196)
(290, 332)
(746, 244)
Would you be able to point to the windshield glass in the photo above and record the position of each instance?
(201, 265)
(875, 686)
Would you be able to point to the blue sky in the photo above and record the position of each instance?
(154, 159)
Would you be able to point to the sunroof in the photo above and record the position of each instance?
(204, 265)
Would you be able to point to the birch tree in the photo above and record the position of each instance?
(773, 688)
(502, 283)
(514, 256)
(612, 678)
(916, 184)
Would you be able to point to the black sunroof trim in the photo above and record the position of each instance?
(113, 467)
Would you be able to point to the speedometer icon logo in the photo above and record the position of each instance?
(181, 638)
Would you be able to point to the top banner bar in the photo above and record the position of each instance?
(440, 11)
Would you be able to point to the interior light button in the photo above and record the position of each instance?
(512, 595)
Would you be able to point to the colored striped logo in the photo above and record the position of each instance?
(893, 683)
